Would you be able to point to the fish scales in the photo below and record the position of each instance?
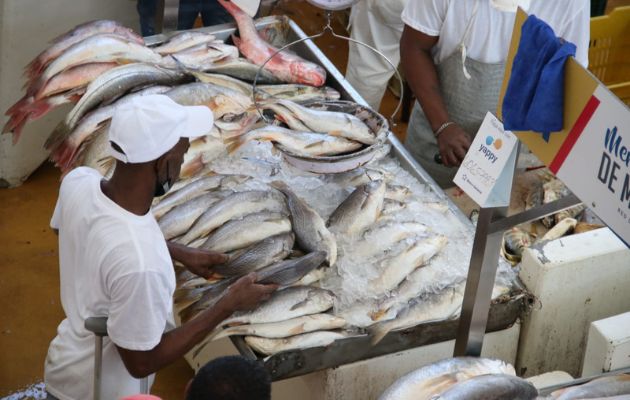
(288, 272)
(359, 210)
(303, 341)
(180, 218)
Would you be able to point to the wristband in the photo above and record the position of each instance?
(441, 128)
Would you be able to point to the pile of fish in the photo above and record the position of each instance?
(572, 220)
(462, 378)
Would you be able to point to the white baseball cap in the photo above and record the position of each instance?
(149, 126)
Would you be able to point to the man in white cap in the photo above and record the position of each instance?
(114, 261)
(453, 54)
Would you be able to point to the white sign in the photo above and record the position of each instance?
(487, 170)
(596, 164)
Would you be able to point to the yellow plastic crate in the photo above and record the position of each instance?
(609, 51)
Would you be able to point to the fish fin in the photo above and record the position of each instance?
(336, 133)
(58, 135)
(298, 305)
(38, 109)
(15, 125)
(319, 142)
(19, 105)
(237, 41)
(377, 332)
(233, 144)
(378, 314)
(64, 154)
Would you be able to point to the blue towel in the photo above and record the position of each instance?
(534, 100)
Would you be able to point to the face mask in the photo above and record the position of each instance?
(510, 5)
(161, 188)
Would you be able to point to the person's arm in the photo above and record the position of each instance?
(243, 295)
(421, 74)
(197, 261)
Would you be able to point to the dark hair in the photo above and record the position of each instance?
(231, 378)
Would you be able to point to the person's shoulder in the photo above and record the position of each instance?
(80, 175)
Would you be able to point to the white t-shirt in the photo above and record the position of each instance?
(491, 32)
(112, 263)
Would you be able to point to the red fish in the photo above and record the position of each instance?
(286, 66)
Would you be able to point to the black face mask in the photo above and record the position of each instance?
(162, 187)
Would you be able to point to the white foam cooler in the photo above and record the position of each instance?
(608, 346)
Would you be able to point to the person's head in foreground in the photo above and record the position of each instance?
(230, 378)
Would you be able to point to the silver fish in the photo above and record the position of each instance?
(434, 378)
(392, 207)
(236, 205)
(307, 144)
(182, 41)
(491, 387)
(286, 304)
(384, 236)
(257, 256)
(397, 192)
(303, 341)
(240, 68)
(287, 272)
(200, 298)
(395, 269)
(361, 176)
(297, 93)
(359, 210)
(224, 80)
(180, 218)
(312, 277)
(221, 100)
(433, 307)
(198, 56)
(244, 232)
(194, 189)
(309, 227)
(333, 123)
(600, 387)
(282, 329)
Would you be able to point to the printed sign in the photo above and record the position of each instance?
(487, 170)
(594, 160)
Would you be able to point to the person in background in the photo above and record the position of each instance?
(376, 23)
(212, 13)
(114, 261)
(230, 378)
(453, 55)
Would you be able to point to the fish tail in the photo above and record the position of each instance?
(378, 332)
(19, 105)
(34, 68)
(64, 154)
(38, 109)
(15, 125)
(58, 135)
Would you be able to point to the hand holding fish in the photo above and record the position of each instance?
(245, 294)
(197, 261)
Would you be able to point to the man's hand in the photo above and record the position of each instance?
(197, 261)
(453, 143)
(245, 294)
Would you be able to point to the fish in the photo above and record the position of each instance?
(257, 256)
(397, 192)
(180, 218)
(232, 126)
(333, 123)
(282, 329)
(431, 307)
(383, 237)
(396, 268)
(243, 69)
(183, 40)
(491, 387)
(287, 66)
(100, 48)
(433, 378)
(72, 78)
(600, 387)
(194, 189)
(298, 342)
(301, 143)
(219, 99)
(361, 176)
(309, 227)
(224, 80)
(312, 277)
(244, 232)
(359, 210)
(198, 56)
(515, 241)
(193, 301)
(233, 206)
(582, 227)
(65, 145)
(76, 35)
(287, 272)
(297, 93)
(560, 229)
(286, 304)
(393, 206)
(95, 151)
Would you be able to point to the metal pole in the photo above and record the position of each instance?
(483, 267)
(170, 15)
(98, 358)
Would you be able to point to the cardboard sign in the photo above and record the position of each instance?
(591, 154)
(487, 170)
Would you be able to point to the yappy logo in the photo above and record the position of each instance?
(487, 153)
